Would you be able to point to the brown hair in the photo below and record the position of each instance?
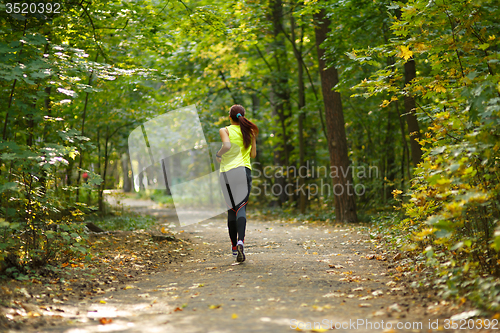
(248, 129)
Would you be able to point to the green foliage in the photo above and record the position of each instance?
(59, 121)
(24, 246)
(452, 210)
(158, 196)
(125, 222)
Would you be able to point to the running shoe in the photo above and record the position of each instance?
(240, 256)
(235, 251)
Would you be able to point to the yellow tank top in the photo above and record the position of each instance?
(236, 156)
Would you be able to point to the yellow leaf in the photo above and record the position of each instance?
(234, 316)
(103, 302)
(163, 230)
(440, 89)
(420, 46)
(405, 52)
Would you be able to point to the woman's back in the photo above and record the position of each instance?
(238, 155)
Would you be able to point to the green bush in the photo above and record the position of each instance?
(451, 213)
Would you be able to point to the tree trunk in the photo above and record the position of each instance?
(281, 90)
(390, 156)
(345, 203)
(107, 152)
(301, 119)
(405, 157)
(127, 180)
(278, 162)
(45, 173)
(411, 119)
(80, 162)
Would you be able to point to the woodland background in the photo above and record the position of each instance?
(410, 87)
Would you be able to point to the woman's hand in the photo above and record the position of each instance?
(218, 159)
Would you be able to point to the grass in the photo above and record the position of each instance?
(158, 196)
(126, 222)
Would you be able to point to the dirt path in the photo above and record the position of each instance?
(295, 274)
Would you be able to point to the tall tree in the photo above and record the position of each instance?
(281, 91)
(343, 189)
(411, 118)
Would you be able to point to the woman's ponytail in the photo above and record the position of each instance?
(248, 129)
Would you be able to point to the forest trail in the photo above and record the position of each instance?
(295, 274)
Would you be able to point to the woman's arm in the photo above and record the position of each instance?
(226, 144)
(253, 152)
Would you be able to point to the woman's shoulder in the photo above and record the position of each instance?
(224, 130)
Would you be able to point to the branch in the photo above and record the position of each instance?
(227, 87)
(191, 11)
(454, 39)
(263, 58)
(93, 30)
(102, 28)
(261, 93)
(299, 56)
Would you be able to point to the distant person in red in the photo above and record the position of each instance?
(85, 177)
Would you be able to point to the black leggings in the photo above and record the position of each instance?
(236, 185)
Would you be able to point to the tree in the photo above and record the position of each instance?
(411, 118)
(345, 204)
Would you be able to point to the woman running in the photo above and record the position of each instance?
(238, 145)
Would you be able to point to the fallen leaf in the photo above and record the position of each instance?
(389, 330)
(365, 305)
(465, 315)
(212, 307)
(234, 316)
(394, 308)
(334, 295)
(102, 302)
(105, 321)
